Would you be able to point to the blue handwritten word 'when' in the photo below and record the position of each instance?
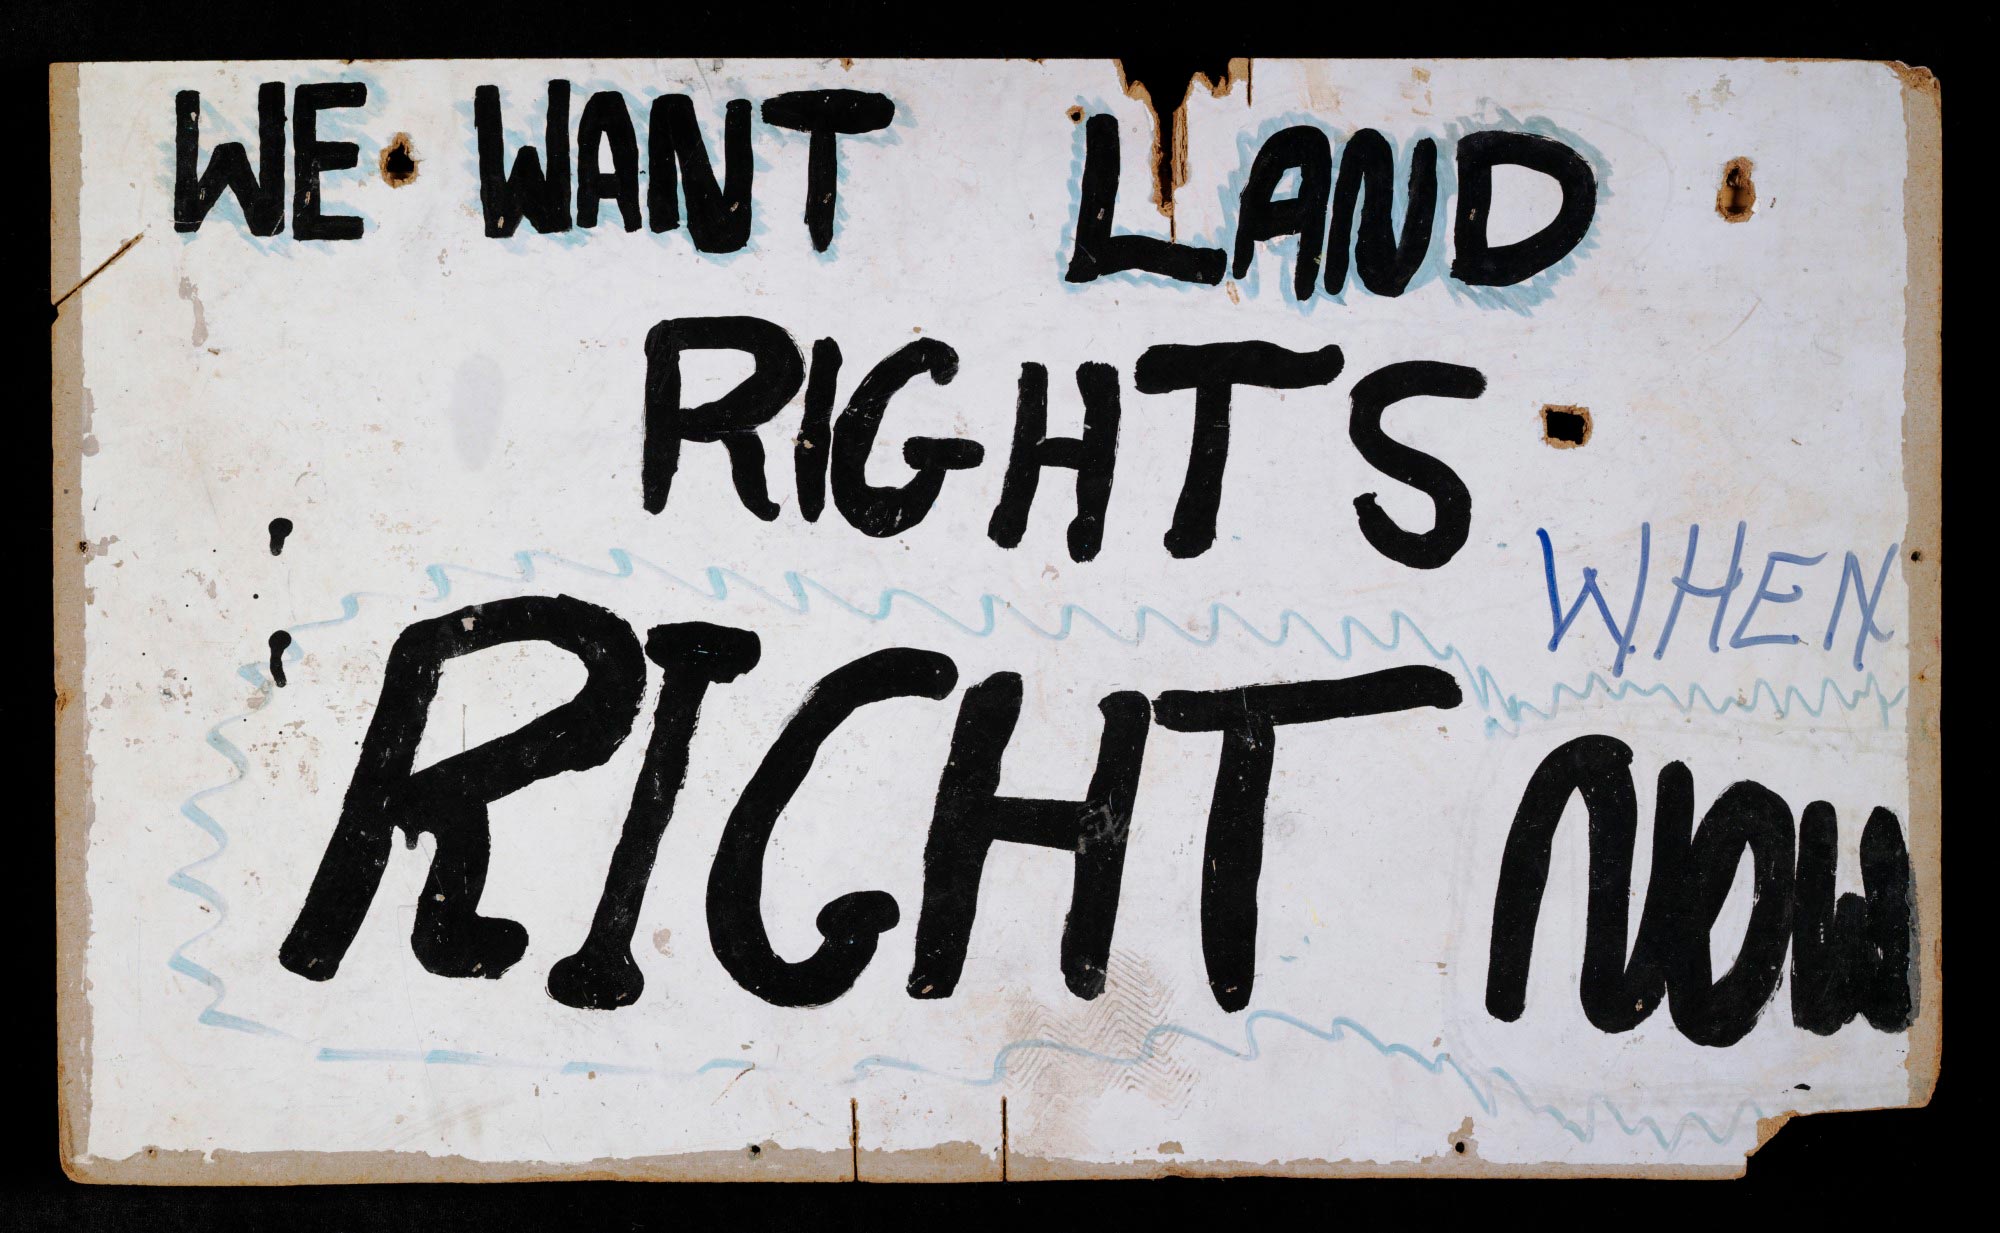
(1684, 586)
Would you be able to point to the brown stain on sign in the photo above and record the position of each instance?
(1565, 427)
(1165, 86)
(1463, 1144)
(1736, 200)
(399, 161)
(102, 266)
(1059, 1088)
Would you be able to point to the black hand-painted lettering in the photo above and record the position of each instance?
(878, 511)
(1852, 957)
(1618, 992)
(718, 217)
(1368, 171)
(527, 192)
(260, 195)
(1096, 251)
(1212, 371)
(449, 798)
(1373, 395)
(812, 449)
(850, 924)
(1852, 954)
(1261, 218)
(971, 816)
(1747, 819)
(1477, 263)
(311, 157)
(827, 115)
(732, 419)
(602, 975)
(1233, 855)
(606, 119)
(1093, 456)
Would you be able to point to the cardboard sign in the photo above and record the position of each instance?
(992, 620)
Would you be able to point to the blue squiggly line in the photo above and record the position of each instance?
(457, 1057)
(183, 879)
(1481, 1085)
(1588, 1130)
(1486, 688)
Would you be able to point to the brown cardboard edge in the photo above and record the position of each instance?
(954, 1162)
(1922, 426)
(72, 769)
(1043, 1169)
(152, 1167)
(1923, 550)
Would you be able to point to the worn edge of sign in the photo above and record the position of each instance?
(1923, 212)
(67, 425)
(1923, 568)
(1923, 546)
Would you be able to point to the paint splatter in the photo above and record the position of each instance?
(199, 335)
(1736, 200)
(280, 528)
(280, 643)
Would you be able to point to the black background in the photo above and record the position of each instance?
(1892, 1157)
